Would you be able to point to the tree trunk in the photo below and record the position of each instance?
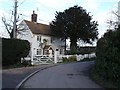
(73, 45)
(11, 34)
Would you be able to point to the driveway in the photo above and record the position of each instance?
(73, 75)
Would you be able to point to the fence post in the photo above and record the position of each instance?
(55, 56)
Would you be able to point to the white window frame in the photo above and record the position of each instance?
(39, 38)
(38, 51)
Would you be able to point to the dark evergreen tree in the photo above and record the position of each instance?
(75, 23)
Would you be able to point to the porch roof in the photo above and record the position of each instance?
(47, 47)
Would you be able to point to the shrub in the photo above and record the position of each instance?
(108, 56)
(25, 62)
(69, 59)
(72, 58)
(13, 50)
(64, 59)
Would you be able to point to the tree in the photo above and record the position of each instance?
(8, 27)
(75, 23)
(114, 22)
(11, 25)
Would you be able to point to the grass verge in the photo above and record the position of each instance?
(18, 65)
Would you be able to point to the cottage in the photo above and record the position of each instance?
(45, 47)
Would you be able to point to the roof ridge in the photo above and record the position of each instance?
(36, 22)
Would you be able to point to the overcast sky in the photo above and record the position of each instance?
(100, 9)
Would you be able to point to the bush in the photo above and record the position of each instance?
(108, 56)
(72, 58)
(64, 59)
(13, 50)
(26, 63)
(69, 59)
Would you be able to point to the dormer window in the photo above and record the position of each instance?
(39, 38)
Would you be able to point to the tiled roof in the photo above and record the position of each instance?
(38, 28)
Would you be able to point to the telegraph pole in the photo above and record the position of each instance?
(15, 21)
(119, 12)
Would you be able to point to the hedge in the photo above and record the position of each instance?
(108, 56)
(13, 50)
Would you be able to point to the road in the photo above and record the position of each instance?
(12, 77)
(73, 75)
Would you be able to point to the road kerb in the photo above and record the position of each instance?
(26, 78)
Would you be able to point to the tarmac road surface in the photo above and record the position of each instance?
(72, 75)
(12, 77)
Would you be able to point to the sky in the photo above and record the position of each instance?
(100, 9)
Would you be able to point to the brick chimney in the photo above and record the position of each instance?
(34, 17)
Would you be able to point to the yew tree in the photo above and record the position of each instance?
(75, 23)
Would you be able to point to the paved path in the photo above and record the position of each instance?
(73, 75)
(12, 77)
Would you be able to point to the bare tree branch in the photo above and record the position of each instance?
(116, 22)
(116, 13)
(6, 25)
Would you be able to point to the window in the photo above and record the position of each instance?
(38, 51)
(39, 38)
(52, 39)
(60, 51)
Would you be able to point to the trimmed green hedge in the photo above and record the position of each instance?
(13, 50)
(108, 56)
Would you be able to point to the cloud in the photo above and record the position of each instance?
(90, 4)
(2, 1)
(101, 17)
(55, 3)
(107, 0)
